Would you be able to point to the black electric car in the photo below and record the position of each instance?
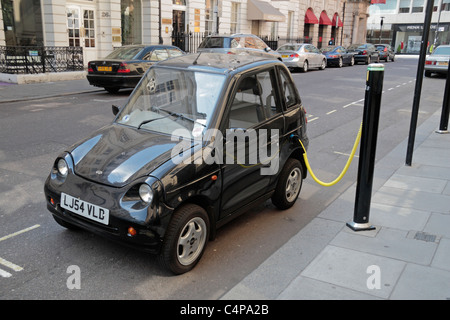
(202, 138)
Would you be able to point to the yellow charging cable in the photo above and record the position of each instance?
(349, 161)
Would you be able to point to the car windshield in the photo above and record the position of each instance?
(442, 51)
(289, 47)
(169, 101)
(124, 53)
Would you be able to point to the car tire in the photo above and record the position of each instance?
(185, 239)
(427, 73)
(352, 61)
(323, 65)
(289, 184)
(340, 63)
(305, 66)
(368, 60)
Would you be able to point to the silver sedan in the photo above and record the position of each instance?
(437, 62)
(303, 56)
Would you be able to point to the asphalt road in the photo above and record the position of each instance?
(38, 257)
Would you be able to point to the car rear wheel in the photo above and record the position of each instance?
(352, 61)
(305, 66)
(185, 239)
(340, 63)
(323, 65)
(289, 184)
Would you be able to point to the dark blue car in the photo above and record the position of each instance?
(338, 56)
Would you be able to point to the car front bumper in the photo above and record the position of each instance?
(149, 223)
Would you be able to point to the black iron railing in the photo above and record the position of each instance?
(39, 59)
(189, 42)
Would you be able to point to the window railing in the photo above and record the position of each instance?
(30, 59)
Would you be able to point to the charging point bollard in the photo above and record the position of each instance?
(368, 144)
(443, 125)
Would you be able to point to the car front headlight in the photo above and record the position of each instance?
(62, 167)
(145, 193)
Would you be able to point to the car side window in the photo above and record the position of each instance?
(250, 43)
(260, 44)
(288, 93)
(159, 55)
(254, 100)
(174, 52)
(235, 42)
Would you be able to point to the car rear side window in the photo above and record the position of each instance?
(288, 93)
(159, 55)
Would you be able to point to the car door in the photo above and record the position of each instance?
(253, 109)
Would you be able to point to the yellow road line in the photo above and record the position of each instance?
(20, 232)
(10, 265)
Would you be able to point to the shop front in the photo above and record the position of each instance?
(407, 37)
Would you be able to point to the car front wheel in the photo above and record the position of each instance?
(289, 184)
(185, 239)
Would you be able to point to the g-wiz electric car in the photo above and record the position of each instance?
(168, 171)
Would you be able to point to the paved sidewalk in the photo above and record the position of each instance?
(9, 92)
(407, 256)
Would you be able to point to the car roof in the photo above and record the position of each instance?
(216, 62)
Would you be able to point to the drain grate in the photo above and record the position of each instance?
(425, 236)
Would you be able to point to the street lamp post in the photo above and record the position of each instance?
(381, 29)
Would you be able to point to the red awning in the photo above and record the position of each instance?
(310, 18)
(339, 22)
(324, 20)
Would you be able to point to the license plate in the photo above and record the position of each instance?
(85, 209)
(443, 63)
(285, 56)
(101, 68)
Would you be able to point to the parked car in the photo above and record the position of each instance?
(437, 62)
(125, 66)
(366, 53)
(386, 52)
(162, 179)
(338, 56)
(302, 56)
(237, 44)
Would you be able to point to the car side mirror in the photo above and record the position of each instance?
(267, 49)
(115, 109)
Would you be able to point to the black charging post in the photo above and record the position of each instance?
(443, 125)
(371, 116)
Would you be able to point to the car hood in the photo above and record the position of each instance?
(117, 155)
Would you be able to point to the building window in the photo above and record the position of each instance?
(234, 22)
(290, 24)
(274, 30)
(404, 6)
(22, 22)
(445, 5)
(209, 19)
(131, 21)
(179, 2)
(88, 20)
(417, 6)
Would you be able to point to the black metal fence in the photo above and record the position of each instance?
(39, 59)
(189, 42)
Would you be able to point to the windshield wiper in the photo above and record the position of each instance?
(182, 116)
(150, 120)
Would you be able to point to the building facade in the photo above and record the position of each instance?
(400, 23)
(101, 25)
